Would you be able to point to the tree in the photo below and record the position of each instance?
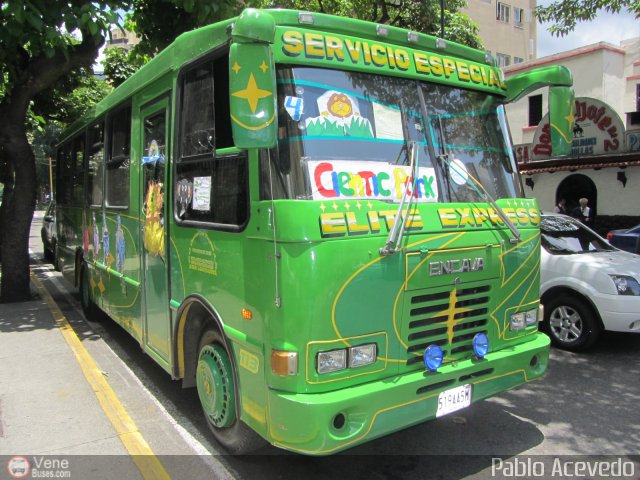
(564, 14)
(159, 22)
(37, 50)
(119, 64)
(414, 15)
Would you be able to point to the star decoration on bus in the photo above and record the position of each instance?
(450, 314)
(236, 68)
(264, 67)
(252, 93)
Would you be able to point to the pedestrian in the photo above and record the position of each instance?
(583, 212)
(561, 207)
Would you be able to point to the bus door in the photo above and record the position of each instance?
(155, 286)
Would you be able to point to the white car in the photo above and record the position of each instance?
(586, 285)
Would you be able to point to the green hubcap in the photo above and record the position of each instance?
(214, 380)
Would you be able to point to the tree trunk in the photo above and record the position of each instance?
(33, 76)
(15, 221)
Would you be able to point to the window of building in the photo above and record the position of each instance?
(517, 60)
(218, 179)
(118, 163)
(503, 59)
(518, 17)
(535, 110)
(503, 12)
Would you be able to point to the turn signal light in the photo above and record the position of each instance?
(284, 362)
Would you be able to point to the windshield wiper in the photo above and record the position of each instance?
(405, 134)
(394, 239)
(474, 184)
(480, 190)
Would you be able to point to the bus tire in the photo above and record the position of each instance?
(570, 323)
(217, 391)
(86, 295)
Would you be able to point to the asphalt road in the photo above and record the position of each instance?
(588, 404)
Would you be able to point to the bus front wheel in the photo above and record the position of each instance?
(217, 392)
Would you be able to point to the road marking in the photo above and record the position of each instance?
(128, 432)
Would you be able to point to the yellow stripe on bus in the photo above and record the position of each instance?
(127, 430)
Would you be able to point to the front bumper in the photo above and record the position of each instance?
(619, 313)
(306, 423)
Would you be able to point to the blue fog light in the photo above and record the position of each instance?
(480, 345)
(433, 357)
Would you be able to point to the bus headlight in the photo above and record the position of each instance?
(362, 355)
(521, 320)
(531, 317)
(358, 356)
(332, 361)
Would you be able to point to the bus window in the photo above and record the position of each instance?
(197, 106)
(95, 163)
(118, 162)
(210, 187)
(215, 191)
(64, 189)
(78, 171)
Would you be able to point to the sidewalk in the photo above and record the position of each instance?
(47, 407)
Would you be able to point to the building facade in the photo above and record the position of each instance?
(122, 39)
(604, 165)
(507, 28)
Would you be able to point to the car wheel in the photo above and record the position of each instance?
(48, 254)
(54, 256)
(215, 382)
(571, 323)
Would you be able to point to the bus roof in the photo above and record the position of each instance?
(196, 43)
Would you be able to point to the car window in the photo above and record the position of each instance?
(562, 235)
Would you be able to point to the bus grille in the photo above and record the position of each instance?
(448, 318)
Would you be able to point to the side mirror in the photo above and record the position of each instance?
(252, 81)
(561, 101)
(561, 119)
(48, 218)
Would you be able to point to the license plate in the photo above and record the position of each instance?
(454, 399)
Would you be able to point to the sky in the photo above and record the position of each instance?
(606, 27)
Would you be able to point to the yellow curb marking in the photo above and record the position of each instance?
(128, 432)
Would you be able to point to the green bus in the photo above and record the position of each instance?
(316, 221)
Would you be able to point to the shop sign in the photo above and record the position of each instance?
(633, 141)
(598, 130)
(523, 152)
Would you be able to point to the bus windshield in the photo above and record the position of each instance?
(346, 135)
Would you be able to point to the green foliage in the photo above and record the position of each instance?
(564, 14)
(119, 64)
(159, 22)
(39, 29)
(70, 97)
(418, 15)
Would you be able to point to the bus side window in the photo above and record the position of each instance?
(118, 162)
(95, 172)
(77, 160)
(64, 175)
(210, 187)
